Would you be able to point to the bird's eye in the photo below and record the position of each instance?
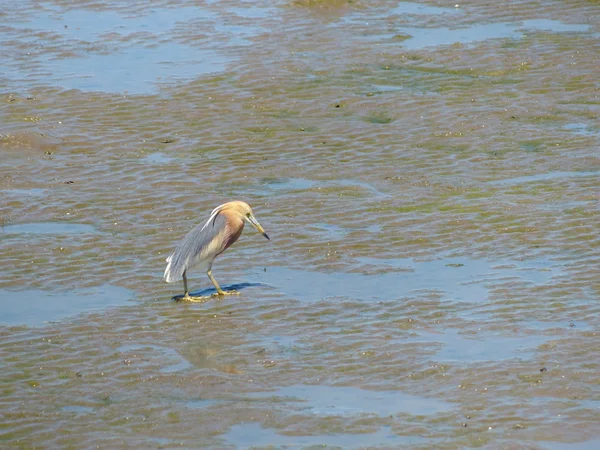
(248, 215)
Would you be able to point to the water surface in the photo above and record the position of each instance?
(428, 175)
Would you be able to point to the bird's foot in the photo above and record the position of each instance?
(191, 298)
(232, 292)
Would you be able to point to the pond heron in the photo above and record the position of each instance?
(207, 241)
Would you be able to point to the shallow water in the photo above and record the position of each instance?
(47, 228)
(34, 307)
(349, 401)
(428, 175)
(254, 436)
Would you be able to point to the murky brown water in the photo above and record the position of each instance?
(429, 176)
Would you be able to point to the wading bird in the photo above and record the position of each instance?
(207, 241)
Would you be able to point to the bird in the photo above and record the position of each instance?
(206, 241)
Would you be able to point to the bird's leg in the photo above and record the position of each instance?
(187, 297)
(215, 284)
(217, 287)
(185, 288)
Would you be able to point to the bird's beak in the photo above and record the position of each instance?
(256, 225)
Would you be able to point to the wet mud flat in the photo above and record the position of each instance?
(428, 175)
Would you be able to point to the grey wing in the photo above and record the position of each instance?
(191, 247)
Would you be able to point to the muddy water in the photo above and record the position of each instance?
(428, 174)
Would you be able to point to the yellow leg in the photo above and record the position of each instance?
(186, 296)
(217, 287)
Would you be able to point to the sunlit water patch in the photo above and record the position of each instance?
(592, 444)
(419, 8)
(573, 325)
(582, 128)
(47, 228)
(250, 11)
(89, 25)
(423, 37)
(554, 26)
(341, 401)
(330, 230)
(419, 38)
(78, 409)
(590, 404)
(35, 308)
(458, 280)
(135, 70)
(252, 435)
(289, 184)
(200, 403)
(456, 347)
(122, 60)
(302, 184)
(350, 401)
(158, 158)
(32, 192)
(541, 177)
(335, 232)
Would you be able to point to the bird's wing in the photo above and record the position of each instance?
(197, 244)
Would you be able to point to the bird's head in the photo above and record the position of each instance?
(245, 213)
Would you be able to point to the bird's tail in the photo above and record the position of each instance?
(170, 276)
